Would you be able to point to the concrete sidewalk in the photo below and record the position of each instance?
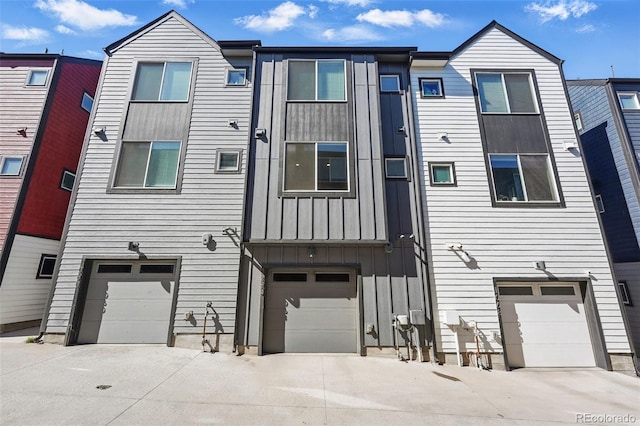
(45, 384)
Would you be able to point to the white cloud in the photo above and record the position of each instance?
(280, 18)
(361, 3)
(25, 35)
(92, 54)
(586, 28)
(64, 30)
(313, 11)
(180, 4)
(351, 34)
(561, 10)
(83, 16)
(402, 18)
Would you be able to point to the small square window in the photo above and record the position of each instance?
(68, 178)
(395, 168)
(624, 292)
(47, 265)
(599, 203)
(442, 174)
(389, 83)
(236, 77)
(87, 102)
(578, 119)
(431, 88)
(228, 161)
(629, 100)
(10, 166)
(37, 78)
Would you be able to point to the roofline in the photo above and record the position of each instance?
(495, 24)
(46, 56)
(603, 81)
(431, 55)
(239, 44)
(332, 49)
(117, 43)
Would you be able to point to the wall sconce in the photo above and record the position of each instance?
(570, 144)
(454, 246)
(312, 252)
(134, 246)
(260, 133)
(233, 123)
(540, 265)
(443, 136)
(22, 132)
(100, 131)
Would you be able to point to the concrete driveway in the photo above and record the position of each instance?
(134, 384)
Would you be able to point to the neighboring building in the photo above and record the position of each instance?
(153, 236)
(515, 241)
(333, 243)
(607, 114)
(45, 103)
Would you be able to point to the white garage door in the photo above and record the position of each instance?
(312, 312)
(545, 325)
(128, 303)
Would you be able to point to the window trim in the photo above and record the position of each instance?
(316, 61)
(3, 158)
(84, 96)
(64, 173)
(164, 61)
(577, 118)
(431, 79)
(320, 192)
(43, 258)
(116, 168)
(631, 93)
(46, 79)
(238, 153)
(228, 71)
(532, 88)
(397, 78)
(525, 202)
(452, 168)
(625, 296)
(599, 203)
(404, 159)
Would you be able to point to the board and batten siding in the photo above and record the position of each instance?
(20, 106)
(630, 273)
(313, 217)
(595, 108)
(504, 242)
(22, 295)
(165, 225)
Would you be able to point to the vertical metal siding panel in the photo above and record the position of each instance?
(274, 210)
(259, 197)
(290, 218)
(368, 295)
(336, 219)
(320, 218)
(265, 108)
(306, 224)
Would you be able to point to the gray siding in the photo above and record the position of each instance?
(358, 216)
(630, 272)
(165, 225)
(504, 242)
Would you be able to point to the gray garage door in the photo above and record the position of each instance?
(128, 302)
(312, 311)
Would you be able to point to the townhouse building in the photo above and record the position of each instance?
(45, 102)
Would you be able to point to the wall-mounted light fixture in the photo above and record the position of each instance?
(134, 246)
(454, 246)
(443, 136)
(22, 132)
(233, 123)
(570, 144)
(260, 133)
(540, 265)
(312, 251)
(100, 131)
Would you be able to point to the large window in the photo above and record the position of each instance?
(162, 81)
(148, 164)
(321, 80)
(522, 177)
(316, 166)
(507, 93)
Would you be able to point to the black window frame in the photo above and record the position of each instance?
(533, 90)
(431, 79)
(66, 172)
(46, 258)
(316, 61)
(625, 296)
(452, 167)
(228, 72)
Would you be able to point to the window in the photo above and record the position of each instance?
(557, 291)
(599, 203)
(163, 81)
(87, 102)
(236, 77)
(320, 166)
(431, 88)
(228, 161)
(624, 292)
(389, 83)
(68, 178)
(629, 100)
(114, 269)
(47, 265)
(578, 119)
(396, 168)
(151, 268)
(37, 78)
(442, 174)
(515, 291)
(289, 277)
(508, 93)
(10, 166)
(321, 80)
(148, 164)
(332, 277)
(522, 177)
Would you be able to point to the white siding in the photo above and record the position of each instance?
(504, 242)
(164, 224)
(630, 272)
(22, 295)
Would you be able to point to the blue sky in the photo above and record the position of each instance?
(589, 35)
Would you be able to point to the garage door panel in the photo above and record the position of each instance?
(319, 341)
(97, 289)
(312, 319)
(136, 309)
(550, 311)
(541, 332)
(138, 332)
(93, 310)
(139, 289)
(546, 355)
